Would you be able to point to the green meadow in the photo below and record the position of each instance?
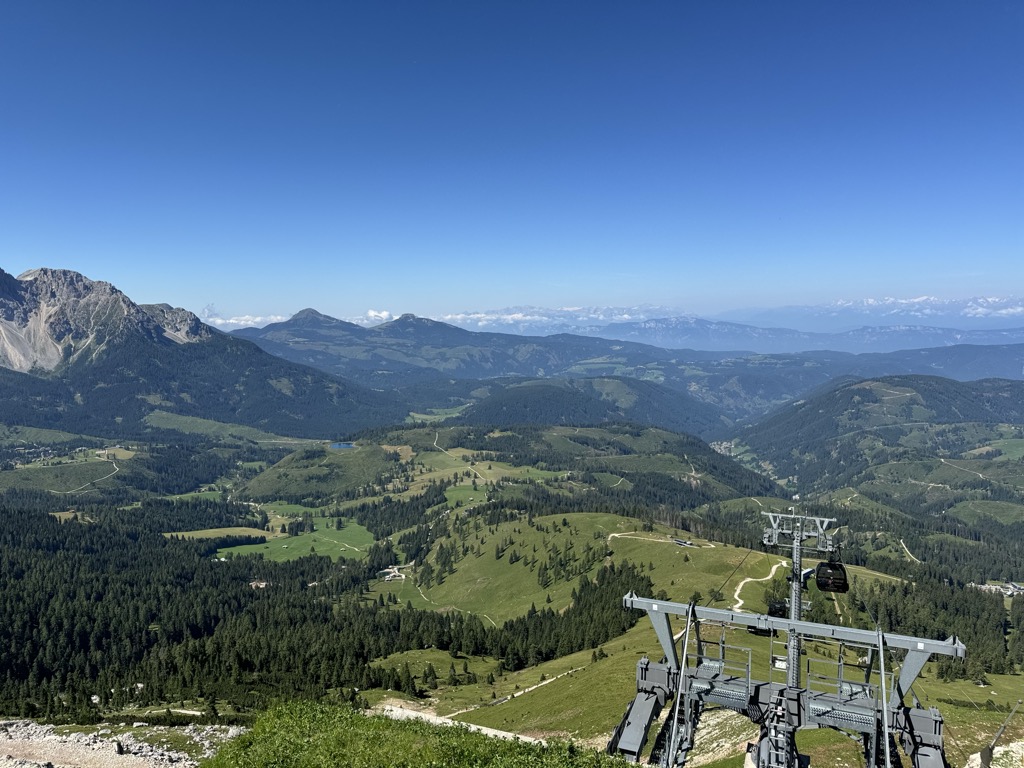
(227, 432)
(353, 542)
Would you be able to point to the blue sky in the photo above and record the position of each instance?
(433, 157)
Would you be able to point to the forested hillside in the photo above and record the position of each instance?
(928, 475)
(98, 600)
(222, 379)
(433, 562)
(595, 401)
(98, 607)
(806, 426)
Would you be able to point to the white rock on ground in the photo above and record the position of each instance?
(27, 744)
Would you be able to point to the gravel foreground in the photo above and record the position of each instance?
(26, 744)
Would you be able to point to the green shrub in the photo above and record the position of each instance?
(313, 735)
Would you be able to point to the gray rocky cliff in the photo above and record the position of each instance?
(54, 317)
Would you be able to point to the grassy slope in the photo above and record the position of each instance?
(216, 533)
(351, 468)
(16, 435)
(218, 429)
(501, 590)
(1002, 511)
(353, 541)
(331, 471)
(939, 479)
(77, 474)
(587, 703)
(307, 735)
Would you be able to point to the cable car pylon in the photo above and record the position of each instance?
(864, 700)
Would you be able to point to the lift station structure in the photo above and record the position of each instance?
(861, 697)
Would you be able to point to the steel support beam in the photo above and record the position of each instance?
(917, 646)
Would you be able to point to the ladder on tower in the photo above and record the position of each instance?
(779, 732)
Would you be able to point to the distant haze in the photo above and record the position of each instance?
(979, 313)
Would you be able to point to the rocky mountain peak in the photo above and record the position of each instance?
(409, 320)
(423, 329)
(9, 286)
(179, 325)
(311, 314)
(52, 317)
(311, 318)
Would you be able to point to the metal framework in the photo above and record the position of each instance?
(797, 528)
(860, 697)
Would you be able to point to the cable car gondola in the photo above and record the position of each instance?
(831, 577)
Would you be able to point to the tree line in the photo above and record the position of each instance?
(104, 609)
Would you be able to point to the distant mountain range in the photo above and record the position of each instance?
(416, 347)
(434, 366)
(412, 348)
(695, 333)
(975, 313)
(78, 354)
(869, 325)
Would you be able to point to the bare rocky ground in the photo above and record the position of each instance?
(26, 744)
(1009, 756)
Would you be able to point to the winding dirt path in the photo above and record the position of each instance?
(904, 545)
(453, 607)
(634, 536)
(738, 601)
(963, 469)
(442, 450)
(912, 481)
(91, 482)
(835, 604)
(517, 694)
(396, 712)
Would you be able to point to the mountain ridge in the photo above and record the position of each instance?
(53, 318)
(87, 337)
(80, 354)
(766, 333)
(411, 351)
(416, 346)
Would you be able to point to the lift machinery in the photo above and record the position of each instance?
(853, 692)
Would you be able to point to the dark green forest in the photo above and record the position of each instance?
(112, 609)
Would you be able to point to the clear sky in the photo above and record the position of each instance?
(432, 156)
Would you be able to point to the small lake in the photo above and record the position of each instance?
(342, 446)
